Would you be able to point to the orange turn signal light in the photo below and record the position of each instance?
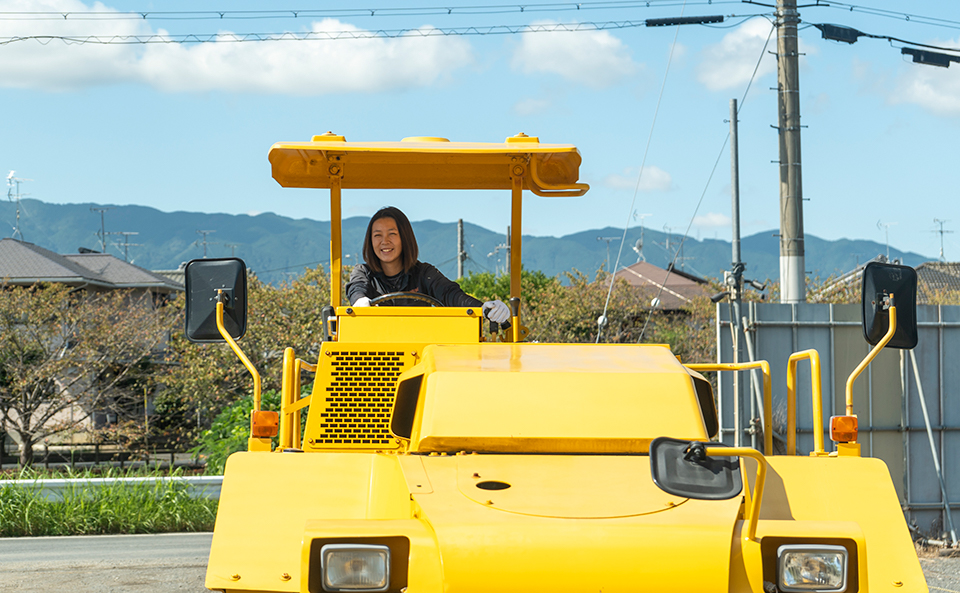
(264, 424)
(843, 429)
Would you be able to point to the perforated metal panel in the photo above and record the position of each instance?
(359, 398)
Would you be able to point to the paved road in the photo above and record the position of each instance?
(122, 563)
(177, 562)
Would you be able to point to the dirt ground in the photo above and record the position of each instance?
(942, 572)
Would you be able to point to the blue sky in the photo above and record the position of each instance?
(187, 127)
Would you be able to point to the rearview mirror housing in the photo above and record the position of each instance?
(880, 280)
(203, 279)
(682, 468)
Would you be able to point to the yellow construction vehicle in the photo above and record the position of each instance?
(436, 459)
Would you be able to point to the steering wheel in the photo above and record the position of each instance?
(412, 296)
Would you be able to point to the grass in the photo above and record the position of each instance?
(151, 507)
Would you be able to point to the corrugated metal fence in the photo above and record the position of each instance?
(887, 396)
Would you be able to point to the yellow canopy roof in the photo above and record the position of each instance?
(428, 163)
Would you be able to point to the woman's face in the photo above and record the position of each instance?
(385, 239)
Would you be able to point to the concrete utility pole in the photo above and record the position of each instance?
(792, 285)
(461, 252)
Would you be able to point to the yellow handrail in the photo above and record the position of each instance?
(757, 495)
(866, 361)
(290, 401)
(767, 397)
(814, 357)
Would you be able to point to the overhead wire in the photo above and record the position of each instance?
(439, 10)
(339, 35)
(892, 14)
(643, 162)
(703, 194)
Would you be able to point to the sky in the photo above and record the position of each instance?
(187, 127)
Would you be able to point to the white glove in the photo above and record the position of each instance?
(496, 311)
(362, 302)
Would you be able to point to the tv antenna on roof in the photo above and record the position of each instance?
(886, 229)
(935, 221)
(11, 181)
(204, 241)
(638, 246)
(126, 243)
(103, 232)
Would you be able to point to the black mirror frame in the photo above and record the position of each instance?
(703, 479)
(880, 279)
(202, 279)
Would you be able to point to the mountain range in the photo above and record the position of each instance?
(276, 247)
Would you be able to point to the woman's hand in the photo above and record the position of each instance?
(496, 311)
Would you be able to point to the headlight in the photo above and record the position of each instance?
(355, 567)
(812, 568)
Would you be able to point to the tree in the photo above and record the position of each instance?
(63, 352)
(205, 378)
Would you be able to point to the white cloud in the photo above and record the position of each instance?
(531, 106)
(935, 89)
(594, 58)
(653, 179)
(711, 220)
(730, 63)
(281, 67)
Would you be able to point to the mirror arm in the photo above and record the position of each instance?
(892, 329)
(236, 350)
(757, 495)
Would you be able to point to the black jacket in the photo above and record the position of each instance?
(422, 278)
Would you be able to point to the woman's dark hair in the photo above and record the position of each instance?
(408, 241)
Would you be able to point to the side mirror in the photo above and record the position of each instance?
(682, 468)
(204, 278)
(880, 281)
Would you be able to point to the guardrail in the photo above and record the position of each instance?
(54, 489)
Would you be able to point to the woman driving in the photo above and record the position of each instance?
(390, 252)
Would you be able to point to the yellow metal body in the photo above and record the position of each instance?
(491, 466)
(767, 393)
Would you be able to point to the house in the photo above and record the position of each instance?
(937, 281)
(676, 288)
(25, 264)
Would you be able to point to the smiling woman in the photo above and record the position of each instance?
(390, 252)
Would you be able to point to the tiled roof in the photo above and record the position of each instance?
(25, 263)
(119, 272)
(679, 288)
(936, 278)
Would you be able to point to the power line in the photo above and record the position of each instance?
(342, 35)
(893, 14)
(221, 15)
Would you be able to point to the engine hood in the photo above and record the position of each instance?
(568, 523)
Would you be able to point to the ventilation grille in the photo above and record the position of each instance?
(359, 399)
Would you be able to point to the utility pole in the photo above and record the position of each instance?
(103, 231)
(792, 277)
(461, 252)
(735, 278)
